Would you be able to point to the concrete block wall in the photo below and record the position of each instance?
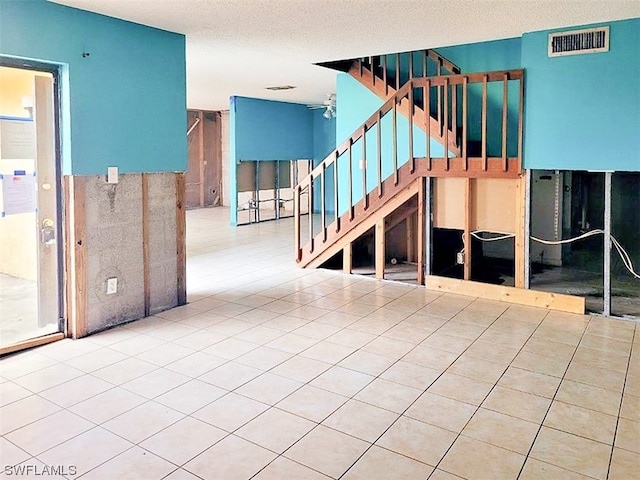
(114, 248)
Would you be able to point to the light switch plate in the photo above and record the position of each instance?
(112, 285)
(112, 174)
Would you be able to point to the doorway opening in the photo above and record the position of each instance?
(30, 206)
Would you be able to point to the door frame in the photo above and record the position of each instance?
(54, 70)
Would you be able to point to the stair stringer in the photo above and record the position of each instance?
(377, 212)
(385, 92)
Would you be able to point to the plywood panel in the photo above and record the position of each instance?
(449, 203)
(493, 204)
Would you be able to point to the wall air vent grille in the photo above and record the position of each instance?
(577, 42)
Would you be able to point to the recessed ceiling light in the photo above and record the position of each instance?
(281, 87)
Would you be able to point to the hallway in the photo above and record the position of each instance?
(274, 372)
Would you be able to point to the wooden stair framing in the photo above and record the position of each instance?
(352, 169)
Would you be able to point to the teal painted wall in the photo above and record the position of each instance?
(324, 142)
(582, 112)
(125, 104)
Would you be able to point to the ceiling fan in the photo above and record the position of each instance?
(329, 105)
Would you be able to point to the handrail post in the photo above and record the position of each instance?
(427, 120)
(505, 90)
(384, 76)
(323, 202)
(394, 119)
(296, 223)
(520, 121)
(484, 122)
(446, 123)
(310, 201)
(335, 192)
(465, 86)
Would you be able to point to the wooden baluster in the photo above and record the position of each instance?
(394, 119)
(384, 76)
(446, 123)
(373, 72)
(465, 86)
(438, 72)
(424, 63)
(350, 179)
(379, 140)
(310, 201)
(484, 122)
(323, 202)
(397, 72)
(454, 113)
(410, 65)
(365, 195)
(505, 90)
(296, 223)
(427, 121)
(411, 109)
(335, 192)
(520, 121)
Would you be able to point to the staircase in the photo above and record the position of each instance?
(382, 167)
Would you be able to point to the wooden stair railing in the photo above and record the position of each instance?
(360, 206)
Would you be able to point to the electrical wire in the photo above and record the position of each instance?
(624, 255)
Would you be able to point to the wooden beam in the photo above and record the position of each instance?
(421, 228)
(34, 342)
(77, 249)
(145, 245)
(181, 245)
(468, 199)
(520, 240)
(532, 298)
(465, 93)
(347, 258)
(380, 248)
(410, 229)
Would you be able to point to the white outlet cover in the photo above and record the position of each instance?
(112, 285)
(112, 174)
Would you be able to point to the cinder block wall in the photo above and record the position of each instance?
(114, 248)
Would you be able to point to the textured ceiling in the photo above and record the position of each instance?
(239, 47)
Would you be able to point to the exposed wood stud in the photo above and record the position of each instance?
(505, 90)
(347, 260)
(181, 245)
(446, 122)
(420, 230)
(145, 245)
(410, 231)
(521, 119)
(427, 121)
(34, 342)
(77, 221)
(520, 239)
(201, 155)
(465, 85)
(468, 200)
(380, 248)
(484, 122)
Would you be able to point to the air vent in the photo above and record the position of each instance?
(281, 87)
(577, 42)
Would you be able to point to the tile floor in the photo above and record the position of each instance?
(273, 372)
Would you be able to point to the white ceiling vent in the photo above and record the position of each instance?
(577, 42)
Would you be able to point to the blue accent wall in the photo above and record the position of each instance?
(582, 112)
(124, 104)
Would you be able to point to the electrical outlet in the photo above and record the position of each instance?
(112, 286)
(460, 258)
(112, 174)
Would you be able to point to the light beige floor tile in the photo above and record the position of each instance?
(536, 470)
(137, 344)
(473, 459)
(477, 369)
(133, 464)
(388, 395)
(409, 437)
(381, 464)
(25, 411)
(517, 404)
(549, 348)
(96, 359)
(230, 376)
(269, 388)
(411, 374)
(328, 352)
(169, 352)
(630, 407)
(597, 358)
(408, 333)
(533, 362)
(48, 432)
(124, 370)
(181, 474)
(107, 405)
(155, 383)
(442, 475)
(230, 412)
(86, 451)
(597, 377)
(361, 420)
(628, 435)
(191, 396)
(449, 343)
(142, 421)
(11, 454)
(263, 358)
(587, 396)
(605, 344)
(388, 347)
(572, 453)
(530, 382)
(351, 338)
(464, 389)
(292, 342)
(430, 357)
(624, 465)
(260, 335)
(230, 348)
(195, 364)
(301, 369)
(10, 392)
(441, 411)
(285, 323)
(342, 381)
(48, 377)
(283, 468)
(275, 429)
(183, 440)
(34, 469)
(463, 330)
(366, 362)
(201, 339)
(327, 451)
(582, 422)
(501, 430)
(317, 330)
(312, 403)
